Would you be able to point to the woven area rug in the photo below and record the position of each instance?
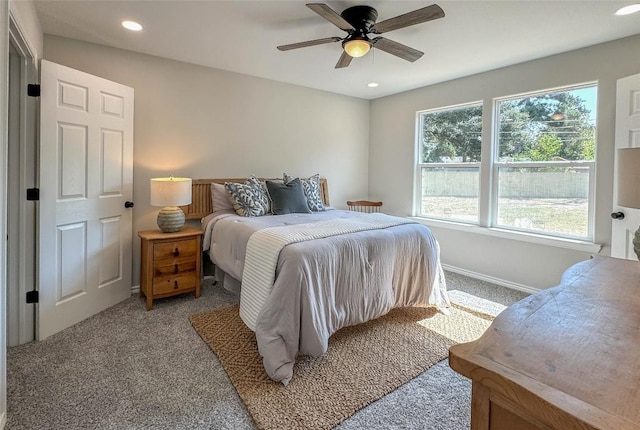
(363, 363)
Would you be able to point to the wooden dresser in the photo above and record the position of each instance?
(170, 263)
(565, 358)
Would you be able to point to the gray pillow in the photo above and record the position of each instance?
(287, 198)
(311, 188)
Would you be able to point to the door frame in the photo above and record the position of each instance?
(622, 229)
(23, 138)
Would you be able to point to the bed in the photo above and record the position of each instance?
(303, 276)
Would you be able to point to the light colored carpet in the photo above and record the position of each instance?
(127, 368)
(362, 364)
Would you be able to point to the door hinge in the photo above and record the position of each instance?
(33, 193)
(33, 297)
(33, 90)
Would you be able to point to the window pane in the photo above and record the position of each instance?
(452, 135)
(553, 126)
(451, 193)
(550, 200)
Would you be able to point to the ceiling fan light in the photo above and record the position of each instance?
(628, 10)
(357, 47)
(131, 25)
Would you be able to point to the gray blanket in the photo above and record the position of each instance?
(325, 284)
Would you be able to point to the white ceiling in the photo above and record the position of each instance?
(241, 36)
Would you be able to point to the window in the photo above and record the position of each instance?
(449, 166)
(540, 176)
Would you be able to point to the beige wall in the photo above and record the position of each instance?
(392, 154)
(205, 123)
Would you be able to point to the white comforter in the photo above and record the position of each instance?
(322, 285)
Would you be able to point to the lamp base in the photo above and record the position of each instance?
(170, 219)
(636, 243)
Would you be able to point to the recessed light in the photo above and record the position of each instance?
(372, 84)
(627, 10)
(131, 25)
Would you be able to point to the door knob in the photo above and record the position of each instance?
(617, 215)
(128, 204)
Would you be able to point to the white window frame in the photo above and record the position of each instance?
(417, 188)
(488, 198)
(591, 165)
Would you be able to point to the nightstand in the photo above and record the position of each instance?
(170, 263)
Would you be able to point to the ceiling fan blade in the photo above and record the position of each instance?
(330, 15)
(309, 43)
(344, 61)
(411, 18)
(397, 49)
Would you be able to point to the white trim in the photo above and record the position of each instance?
(536, 93)
(417, 147)
(491, 279)
(22, 323)
(135, 289)
(4, 143)
(3, 420)
(21, 39)
(558, 242)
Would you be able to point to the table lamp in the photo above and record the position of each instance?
(629, 185)
(170, 193)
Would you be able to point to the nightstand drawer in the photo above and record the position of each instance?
(173, 267)
(171, 250)
(176, 283)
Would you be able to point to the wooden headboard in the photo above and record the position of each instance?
(201, 204)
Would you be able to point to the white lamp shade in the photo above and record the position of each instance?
(629, 177)
(170, 191)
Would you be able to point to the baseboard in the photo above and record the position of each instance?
(3, 420)
(491, 279)
(135, 289)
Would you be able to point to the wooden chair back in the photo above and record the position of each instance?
(365, 206)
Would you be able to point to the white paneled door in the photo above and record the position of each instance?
(86, 177)
(627, 136)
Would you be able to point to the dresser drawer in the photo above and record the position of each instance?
(173, 250)
(175, 283)
(173, 267)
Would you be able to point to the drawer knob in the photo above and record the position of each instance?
(176, 252)
(175, 285)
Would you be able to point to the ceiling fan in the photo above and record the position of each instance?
(359, 22)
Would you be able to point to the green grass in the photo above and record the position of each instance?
(555, 216)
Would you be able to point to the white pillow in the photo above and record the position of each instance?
(219, 198)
